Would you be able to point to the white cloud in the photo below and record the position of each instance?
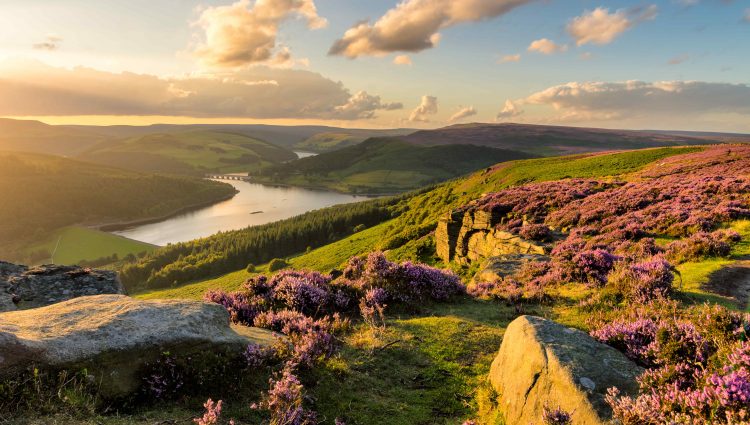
(34, 89)
(243, 33)
(746, 18)
(363, 106)
(599, 26)
(510, 110)
(510, 58)
(546, 46)
(51, 42)
(402, 60)
(414, 25)
(462, 113)
(428, 106)
(684, 100)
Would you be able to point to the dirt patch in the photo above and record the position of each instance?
(732, 281)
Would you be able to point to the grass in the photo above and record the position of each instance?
(72, 244)
(696, 274)
(192, 152)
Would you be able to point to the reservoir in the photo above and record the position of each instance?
(255, 204)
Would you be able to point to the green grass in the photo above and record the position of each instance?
(195, 152)
(80, 243)
(696, 274)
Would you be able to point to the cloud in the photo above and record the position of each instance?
(684, 100)
(586, 56)
(510, 110)
(402, 60)
(746, 18)
(678, 59)
(599, 26)
(34, 89)
(51, 43)
(462, 113)
(243, 34)
(414, 25)
(510, 58)
(429, 106)
(363, 105)
(546, 46)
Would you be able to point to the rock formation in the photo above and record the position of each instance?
(22, 287)
(114, 336)
(544, 363)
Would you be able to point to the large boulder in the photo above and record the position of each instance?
(542, 363)
(114, 336)
(496, 268)
(22, 287)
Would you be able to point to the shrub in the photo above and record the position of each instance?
(701, 245)
(644, 281)
(535, 232)
(277, 264)
(250, 268)
(555, 416)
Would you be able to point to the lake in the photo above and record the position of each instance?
(254, 204)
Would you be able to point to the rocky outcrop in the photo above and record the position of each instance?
(22, 287)
(544, 363)
(114, 336)
(468, 235)
(496, 268)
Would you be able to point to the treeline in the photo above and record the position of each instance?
(42, 193)
(231, 251)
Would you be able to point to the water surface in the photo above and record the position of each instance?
(254, 204)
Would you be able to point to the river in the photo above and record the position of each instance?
(254, 204)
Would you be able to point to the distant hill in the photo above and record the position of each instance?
(192, 153)
(35, 136)
(280, 135)
(557, 140)
(383, 165)
(43, 193)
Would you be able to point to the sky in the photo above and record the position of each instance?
(669, 64)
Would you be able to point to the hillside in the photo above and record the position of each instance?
(330, 141)
(634, 244)
(35, 136)
(556, 140)
(190, 153)
(386, 165)
(43, 193)
(279, 135)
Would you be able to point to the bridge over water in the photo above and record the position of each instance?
(241, 177)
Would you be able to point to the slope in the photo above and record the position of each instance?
(557, 140)
(42, 193)
(386, 165)
(35, 136)
(191, 153)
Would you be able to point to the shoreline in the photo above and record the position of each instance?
(328, 189)
(113, 227)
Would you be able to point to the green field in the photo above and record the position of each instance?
(386, 165)
(74, 243)
(194, 153)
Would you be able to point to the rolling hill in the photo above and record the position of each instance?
(35, 136)
(190, 153)
(386, 165)
(556, 140)
(43, 193)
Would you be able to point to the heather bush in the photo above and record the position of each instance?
(644, 281)
(535, 232)
(555, 416)
(212, 415)
(701, 245)
(285, 402)
(372, 307)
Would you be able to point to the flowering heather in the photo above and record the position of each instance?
(701, 245)
(212, 415)
(285, 402)
(644, 281)
(257, 355)
(406, 282)
(372, 307)
(556, 416)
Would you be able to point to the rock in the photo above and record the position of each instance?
(544, 363)
(499, 267)
(114, 336)
(22, 287)
(468, 235)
